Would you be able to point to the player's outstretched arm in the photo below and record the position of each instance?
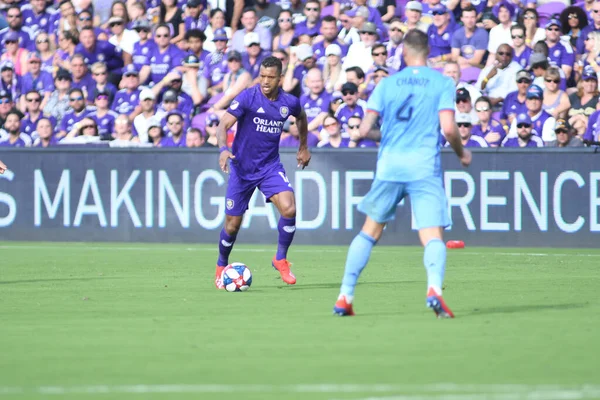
(2, 167)
(303, 155)
(452, 136)
(227, 121)
(368, 127)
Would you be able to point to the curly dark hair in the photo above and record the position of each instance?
(581, 17)
(272, 62)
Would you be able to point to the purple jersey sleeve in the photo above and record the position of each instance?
(238, 106)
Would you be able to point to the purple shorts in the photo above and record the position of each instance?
(239, 190)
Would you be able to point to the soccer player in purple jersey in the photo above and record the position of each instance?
(260, 111)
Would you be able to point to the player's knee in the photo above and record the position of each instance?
(232, 226)
(288, 210)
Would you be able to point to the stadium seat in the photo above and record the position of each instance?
(470, 75)
(327, 11)
(546, 11)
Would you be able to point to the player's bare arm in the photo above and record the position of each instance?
(227, 121)
(453, 137)
(303, 156)
(369, 127)
(2, 167)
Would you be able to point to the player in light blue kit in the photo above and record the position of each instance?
(413, 105)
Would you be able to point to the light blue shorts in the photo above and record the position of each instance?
(427, 198)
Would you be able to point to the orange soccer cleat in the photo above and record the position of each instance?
(218, 278)
(283, 266)
(342, 307)
(437, 304)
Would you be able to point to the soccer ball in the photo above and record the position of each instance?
(237, 277)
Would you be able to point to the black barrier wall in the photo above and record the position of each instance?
(506, 198)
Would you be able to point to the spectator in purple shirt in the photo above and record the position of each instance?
(33, 112)
(488, 128)
(521, 52)
(165, 57)
(156, 135)
(465, 127)
(103, 116)
(560, 53)
(45, 134)
(36, 17)
(525, 136)
(195, 39)
(85, 19)
(36, 79)
(195, 16)
(175, 124)
(15, 138)
(514, 103)
(329, 35)
(334, 139)
(254, 55)
(394, 45)
(316, 102)
(143, 49)
(292, 139)
(47, 53)
(352, 106)
(355, 139)
(82, 79)
(312, 24)
(15, 24)
(100, 50)
(77, 112)
(594, 26)
(127, 99)
(440, 35)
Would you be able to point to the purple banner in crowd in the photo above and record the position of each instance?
(506, 198)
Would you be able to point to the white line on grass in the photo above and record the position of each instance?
(58, 246)
(446, 391)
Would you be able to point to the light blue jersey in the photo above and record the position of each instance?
(409, 103)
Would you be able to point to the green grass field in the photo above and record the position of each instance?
(140, 321)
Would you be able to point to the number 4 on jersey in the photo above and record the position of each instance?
(405, 110)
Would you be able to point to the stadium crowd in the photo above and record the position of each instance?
(162, 72)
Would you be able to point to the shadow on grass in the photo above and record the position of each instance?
(336, 285)
(54, 280)
(522, 308)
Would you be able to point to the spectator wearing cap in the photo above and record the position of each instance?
(123, 134)
(194, 82)
(185, 104)
(556, 101)
(36, 17)
(254, 55)
(195, 17)
(14, 53)
(316, 102)
(356, 141)
(194, 138)
(36, 79)
(538, 63)
(543, 123)
(525, 135)
(359, 54)
(165, 57)
(94, 50)
(332, 69)
(194, 40)
(267, 13)
(103, 116)
(452, 70)
(301, 61)
(293, 138)
(498, 80)
(143, 48)
(9, 81)
(249, 21)
(352, 106)
(521, 51)
(122, 38)
(127, 99)
(564, 135)
(594, 26)
(440, 36)
(285, 28)
(148, 113)
(488, 128)
(394, 46)
(217, 68)
(100, 76)
(236, 80)
(465, 104)
(175, 123)
(44, 133)
(356, 76)
(341, 6)
(335, 102)
(469, 42)
(78, 111)
(33, 112)
(584, 102)
(312, 24)
(23, 36)
(413, 13)
(560, 53)
(58, 104)
(216, 25)
(329, 36)
(156, 135)
(514, 103)
(500, 34)
(12, 125)
(332, 135)
(430, 5)
(465, 130)
(210, 129)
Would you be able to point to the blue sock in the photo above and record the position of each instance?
(287, 229)
(358, 257)
(434, 259)
(225, 246)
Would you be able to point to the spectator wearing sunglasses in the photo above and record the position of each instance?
(351, 107)
(36, 17)
(123, 39)
(356, 141)
(312, 24)
(521, 51)
(103, 116)
(393, 46)
(165, 57)
(488, 128)
(525, 136)
(565, 136)
(440, 36)
(46, 51)
(85, 19)
(176, 134)
(466, 104)
(78, 111)
(498, 80)
(14, 53)
(556, 101)
(33, 112)
(514, 103)
(573, 19)
(594, 26)
(36, 79)
(413, 17)
(285, 29)
(58, 103)
(359, 54)
(22, 33)
(210, 131)
(293, 137)
(584, 102)
(465, 128)
(254, 55)
(332, 137)
(143, 49)
(543, 123)
(127, 99)
(591, 56)
(100, 76)
(560, 53)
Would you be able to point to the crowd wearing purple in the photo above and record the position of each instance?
(162, 72)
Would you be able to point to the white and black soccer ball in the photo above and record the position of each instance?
(237, 277)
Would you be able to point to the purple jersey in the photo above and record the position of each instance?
(48, 66)
(28, 125)
(534, 141)
(538, 123)
(319, 50)
(293, 141)
(196, 23)
(142, 53)
(161, 63)
(260, 121)
(215, 69)
(303, 29)
(493, 126)
(512, 105)
(343, 113)
(395, 59)
(439, 43)
(71, 118)
(44, 83)
(20, 142)
(13, 88)
(204, 59)
(468, 46)
(344, 144)
(523, 58)
(52, 142)
(299, 73)
(314, 107)
(87, 85)
(364, 143)
(584, 34)
(103, 51)
(25, 38)
(125, 101)
(36, 22)
(254, 68)
(105, 123)
(170, 142)
(561, 54)
(593, 128)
